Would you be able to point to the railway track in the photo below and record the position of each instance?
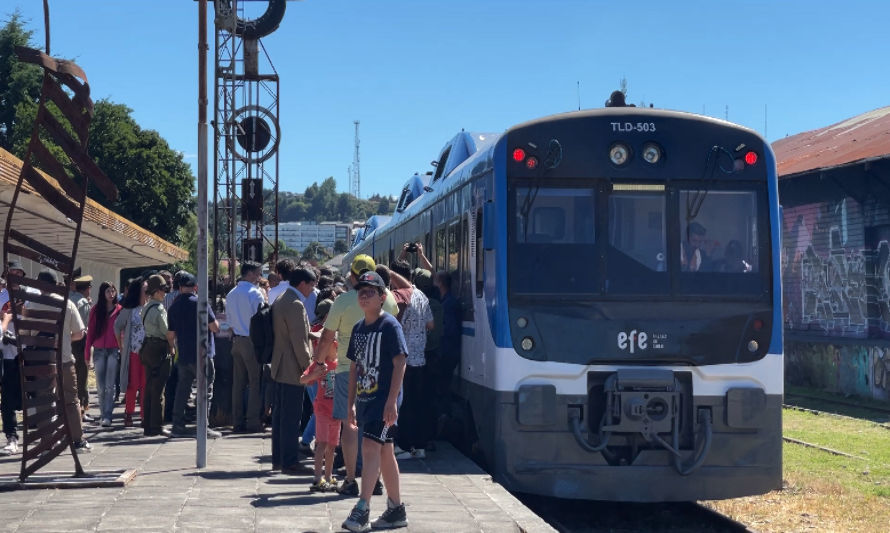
(571, 516)
(808, 402)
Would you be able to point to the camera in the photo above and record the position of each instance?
(412, 247)
(9, 338)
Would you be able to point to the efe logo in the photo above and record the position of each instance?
(632, 339)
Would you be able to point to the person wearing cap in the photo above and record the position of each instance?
(73, 329)
(344, 314)
(242, 303)
(291, 354)
(81, 298)
(172, 381)
(377, 353)
(183, 332)
(156, 354)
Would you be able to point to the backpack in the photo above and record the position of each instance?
(261, 334)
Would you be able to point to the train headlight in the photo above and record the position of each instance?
(752, 346)
(522, 322)
(527, 344)
(619, 153)
(652, 153)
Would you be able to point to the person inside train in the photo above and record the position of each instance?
(732, 259)
(693, 257)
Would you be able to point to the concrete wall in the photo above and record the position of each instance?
(858, 369)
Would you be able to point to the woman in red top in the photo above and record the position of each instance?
(106, 354)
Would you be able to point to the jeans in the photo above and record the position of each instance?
(106, 362)
(11, 400)
(287, 409)
(309, 430)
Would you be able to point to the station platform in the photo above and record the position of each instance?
(237, 492)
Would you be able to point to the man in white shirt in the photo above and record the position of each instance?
(242, 303)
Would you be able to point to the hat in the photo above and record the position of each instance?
(84, 279)
(370, 279)
(323, 307)
(47, 276)
(362, 263)
(155, 283)
(187, 280)
(14, 265)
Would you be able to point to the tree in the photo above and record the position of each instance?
(315, 252)
(19, 82)
(340, 247)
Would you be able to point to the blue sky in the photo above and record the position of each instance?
(416, 72)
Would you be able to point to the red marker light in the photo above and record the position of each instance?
(531, 163)
(758, 324)
(518, 154)
(751, 158)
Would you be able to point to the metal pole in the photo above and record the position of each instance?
(203, 285)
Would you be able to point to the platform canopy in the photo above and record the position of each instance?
(108, 241)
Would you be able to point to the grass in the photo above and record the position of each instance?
(822, 491)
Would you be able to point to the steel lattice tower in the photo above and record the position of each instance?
(246, 138)
(356, 185)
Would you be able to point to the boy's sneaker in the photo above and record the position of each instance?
(358, 520)
(105, 423)
(83, 447)
(378, 488)
(418, 453)
(12, 446)
(349, 488)
(394, 516)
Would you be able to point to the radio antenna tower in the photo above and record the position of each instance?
(355, 186)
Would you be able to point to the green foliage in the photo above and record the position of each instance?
(340, 247)
(315, 253)
(320, 203)
(19, 82)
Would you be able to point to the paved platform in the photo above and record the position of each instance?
(237, 492)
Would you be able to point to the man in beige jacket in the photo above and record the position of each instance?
(290, 357)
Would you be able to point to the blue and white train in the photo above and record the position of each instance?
(619, 276)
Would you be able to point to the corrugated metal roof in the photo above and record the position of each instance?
(862, 137)
(106, 236)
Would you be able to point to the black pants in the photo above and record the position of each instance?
(82, 372)
(287, 410)
(155, 359)
(416, 414)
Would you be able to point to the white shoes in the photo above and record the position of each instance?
(414, 453)
(105, 423)
(11, 448)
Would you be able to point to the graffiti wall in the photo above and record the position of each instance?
(857, 369)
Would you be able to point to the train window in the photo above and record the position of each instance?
(718, 231)
(466, 283)
(480, 254)
(453, 247)
(440, 249)
(636, 259)
(552, 232)
(440, 165)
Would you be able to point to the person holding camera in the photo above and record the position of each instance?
(415, 248)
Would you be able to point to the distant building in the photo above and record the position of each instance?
(298, 235)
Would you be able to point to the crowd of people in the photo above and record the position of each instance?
(354, 369)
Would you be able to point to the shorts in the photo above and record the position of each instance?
(341, 395)
(327, 430)
(377, 431)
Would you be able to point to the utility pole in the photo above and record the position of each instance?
(203, 285)
(356, 187)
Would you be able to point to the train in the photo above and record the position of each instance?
(619, 277)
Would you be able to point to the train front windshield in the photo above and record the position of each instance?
(606, 240)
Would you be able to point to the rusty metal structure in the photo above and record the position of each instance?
(64, 114)
(246, 137)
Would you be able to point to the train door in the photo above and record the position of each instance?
(473, 349)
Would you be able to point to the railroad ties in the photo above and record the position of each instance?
(39, 307)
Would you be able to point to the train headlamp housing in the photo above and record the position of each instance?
(619, 154)
(527, 344)
(652, 153)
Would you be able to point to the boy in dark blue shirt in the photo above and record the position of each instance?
(377, 351)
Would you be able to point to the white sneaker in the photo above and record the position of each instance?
(11, 448)
(413, 454)
(105, 423)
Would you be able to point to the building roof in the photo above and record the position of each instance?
(857, 139)
(106, 237)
